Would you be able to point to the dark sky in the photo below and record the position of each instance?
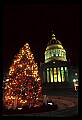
(33, 23)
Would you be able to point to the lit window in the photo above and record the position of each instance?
(75, 73)
(47, 68)
(51, 74)
(65, 68)
(60, 53)
(59, 76)
(61, 68)
(62, 73)
(47, 74)
(55, 75)
(66, 73)
(52, 54)
(56, 53)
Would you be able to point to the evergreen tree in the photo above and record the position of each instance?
(23, 85)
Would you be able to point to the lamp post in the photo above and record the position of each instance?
(75, 81)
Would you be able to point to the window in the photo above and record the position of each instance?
(45, 57)
(51, 74)
(62, 73)
(48, 55)
(60, 53)
(52, 54)
(66, 73)
(59, 76)
(65, 68)
(56, 53)
(61, 68)
(55, 75)
(47, 68)
(47, 74)
(64, 55)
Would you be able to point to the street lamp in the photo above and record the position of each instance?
(75, 81)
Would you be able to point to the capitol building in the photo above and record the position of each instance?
(56, 69)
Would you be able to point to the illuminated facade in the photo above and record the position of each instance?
(55, 50)
(56, 67)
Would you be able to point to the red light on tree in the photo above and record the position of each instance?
(23, 82)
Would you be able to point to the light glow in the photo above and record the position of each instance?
(74, 80)
(22, 87)
(19, 108)
(7, 79)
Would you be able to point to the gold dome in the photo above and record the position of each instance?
(53, 41)
(55, 50)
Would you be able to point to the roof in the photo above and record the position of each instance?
(54, 41)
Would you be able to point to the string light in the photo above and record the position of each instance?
(20, 86)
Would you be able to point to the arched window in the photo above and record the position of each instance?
(66, 73)
(55, 75)
(62, 74)
(56, 53)
(51, 74)
(47, 74)
(59, 76)
(60, 53)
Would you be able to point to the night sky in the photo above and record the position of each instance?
(33, 23)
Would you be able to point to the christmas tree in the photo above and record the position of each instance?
(22, 87)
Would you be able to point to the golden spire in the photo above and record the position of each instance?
(53, 36)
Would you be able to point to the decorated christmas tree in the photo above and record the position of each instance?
(22, 86)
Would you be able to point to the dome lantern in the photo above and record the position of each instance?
(53, 36)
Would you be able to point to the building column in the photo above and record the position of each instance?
(57, 73)
(64, 73)
(49, 76)
(60, 74)
(45, 75)
(53, 73)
